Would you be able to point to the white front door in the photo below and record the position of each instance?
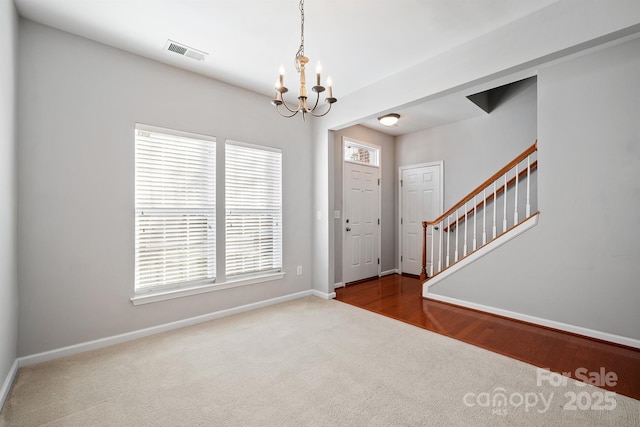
(361, 194)
(421, 201)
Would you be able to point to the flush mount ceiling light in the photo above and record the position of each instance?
(300, 62)
(389, 119)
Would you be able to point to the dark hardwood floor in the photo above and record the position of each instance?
(400, 297)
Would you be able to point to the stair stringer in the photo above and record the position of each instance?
(514, 232)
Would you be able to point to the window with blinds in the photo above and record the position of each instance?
(253, 198)
(175, 209)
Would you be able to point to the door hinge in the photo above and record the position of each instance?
(378, 181)
(378, 261)
(378, 221)
(401, 183)
(400, 221)
(400, 258)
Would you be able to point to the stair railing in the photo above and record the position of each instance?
(487, 212)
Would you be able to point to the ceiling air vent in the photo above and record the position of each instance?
(183, 50)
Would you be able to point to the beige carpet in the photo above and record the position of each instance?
(308, 362)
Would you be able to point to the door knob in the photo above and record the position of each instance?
(348, 228)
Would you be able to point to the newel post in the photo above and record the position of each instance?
(423, 272)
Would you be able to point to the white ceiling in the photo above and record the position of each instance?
(358, 41)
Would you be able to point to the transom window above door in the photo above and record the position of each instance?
(358, 153)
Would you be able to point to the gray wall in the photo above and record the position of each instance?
(78, 103)
(8, 277)
(579, 266)
(388, 184)
(474, 149)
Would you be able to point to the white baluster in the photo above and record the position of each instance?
(464, 248)
(515, 211)
(455, 256)
(441, 226)
(495, 207)
(448, 240)
(433, 237)
(504, 210)
(475, 213)
(528, 210)
(484, 216)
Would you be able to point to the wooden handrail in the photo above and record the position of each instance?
(493, 177)
(526, 153)
(499, 191)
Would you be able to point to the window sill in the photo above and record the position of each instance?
(201, 289)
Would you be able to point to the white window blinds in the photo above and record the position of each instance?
(253, 197)
(175, 209)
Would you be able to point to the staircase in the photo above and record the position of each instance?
(501, 208)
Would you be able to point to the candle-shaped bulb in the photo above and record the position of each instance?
(281, 84)
(329, 86)
(318, 71)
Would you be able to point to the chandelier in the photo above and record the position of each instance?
(303, 106)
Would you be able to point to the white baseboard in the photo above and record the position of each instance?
(382, 274)
(116, 339)
(6, 386)
(388, 272)
(324, 295)
(604, 336)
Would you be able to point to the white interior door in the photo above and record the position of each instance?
(361, 194)
(421, 201)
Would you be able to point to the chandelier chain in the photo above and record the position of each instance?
(300, 52)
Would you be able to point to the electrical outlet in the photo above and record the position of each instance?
(299, 270)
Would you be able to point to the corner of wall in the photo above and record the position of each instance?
(8, 199)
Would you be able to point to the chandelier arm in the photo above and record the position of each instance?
(292, 110)
(323, 114)
(316, 104)
(285, 115)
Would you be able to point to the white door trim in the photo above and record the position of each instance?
(401, 169)
(346, 139)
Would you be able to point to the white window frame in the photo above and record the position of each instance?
(182, 215)
(253, 203)
(373, 150)
(221, 282)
